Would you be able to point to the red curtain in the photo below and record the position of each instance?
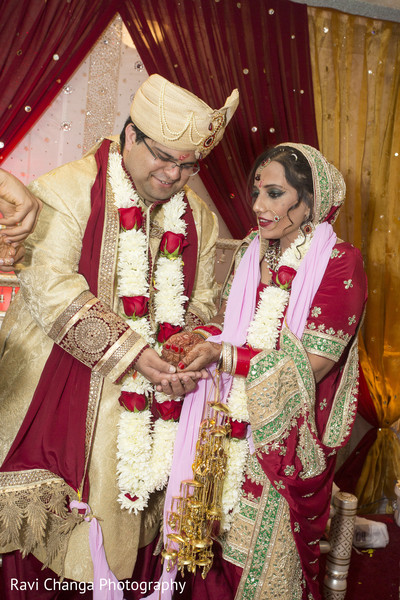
(210, 47)
(42, 43)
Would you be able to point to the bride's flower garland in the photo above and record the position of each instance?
(145, 450)
(263, 334)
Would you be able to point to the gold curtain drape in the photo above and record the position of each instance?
(356, 75)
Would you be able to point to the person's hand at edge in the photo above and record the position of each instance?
(10, 255)
(19, 207)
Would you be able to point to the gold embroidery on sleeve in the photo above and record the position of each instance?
(69, 315)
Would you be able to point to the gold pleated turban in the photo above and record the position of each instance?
(178, 119)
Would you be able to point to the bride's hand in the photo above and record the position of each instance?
(201, 356)
(179, 345)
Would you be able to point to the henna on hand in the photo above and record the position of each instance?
(201, 356)
(179, 345)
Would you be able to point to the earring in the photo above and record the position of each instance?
(307, 228)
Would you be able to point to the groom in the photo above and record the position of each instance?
(121, 258)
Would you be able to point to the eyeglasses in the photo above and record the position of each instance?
(188, 168)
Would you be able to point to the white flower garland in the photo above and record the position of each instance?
(145, 451)
(263, 334)
(263, 331)
(134, 453)
(169, 299)
(163, 448)
(237, 456)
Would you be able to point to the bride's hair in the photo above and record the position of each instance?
(297, 172)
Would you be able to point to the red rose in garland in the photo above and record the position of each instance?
(172, 244)
(132, 401)
(238, 429)
(130, 218)
(169, 410)
(135, 306)
(131, 498)
(283, 277)
(166, 330)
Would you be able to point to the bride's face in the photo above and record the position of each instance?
(273, 198)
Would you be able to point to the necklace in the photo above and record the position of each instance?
(273, 254)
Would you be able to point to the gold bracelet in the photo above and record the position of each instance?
(219, 361)
(226, 357)
(202, 333)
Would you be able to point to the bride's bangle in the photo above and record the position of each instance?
(235, 360)
(226, 363)
(207, 330)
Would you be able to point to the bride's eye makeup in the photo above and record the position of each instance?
(275, 193)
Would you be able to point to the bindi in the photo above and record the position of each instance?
(183, 156)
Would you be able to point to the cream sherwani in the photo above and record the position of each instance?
(51, 291)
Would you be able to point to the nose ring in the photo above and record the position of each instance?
(277, 218)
